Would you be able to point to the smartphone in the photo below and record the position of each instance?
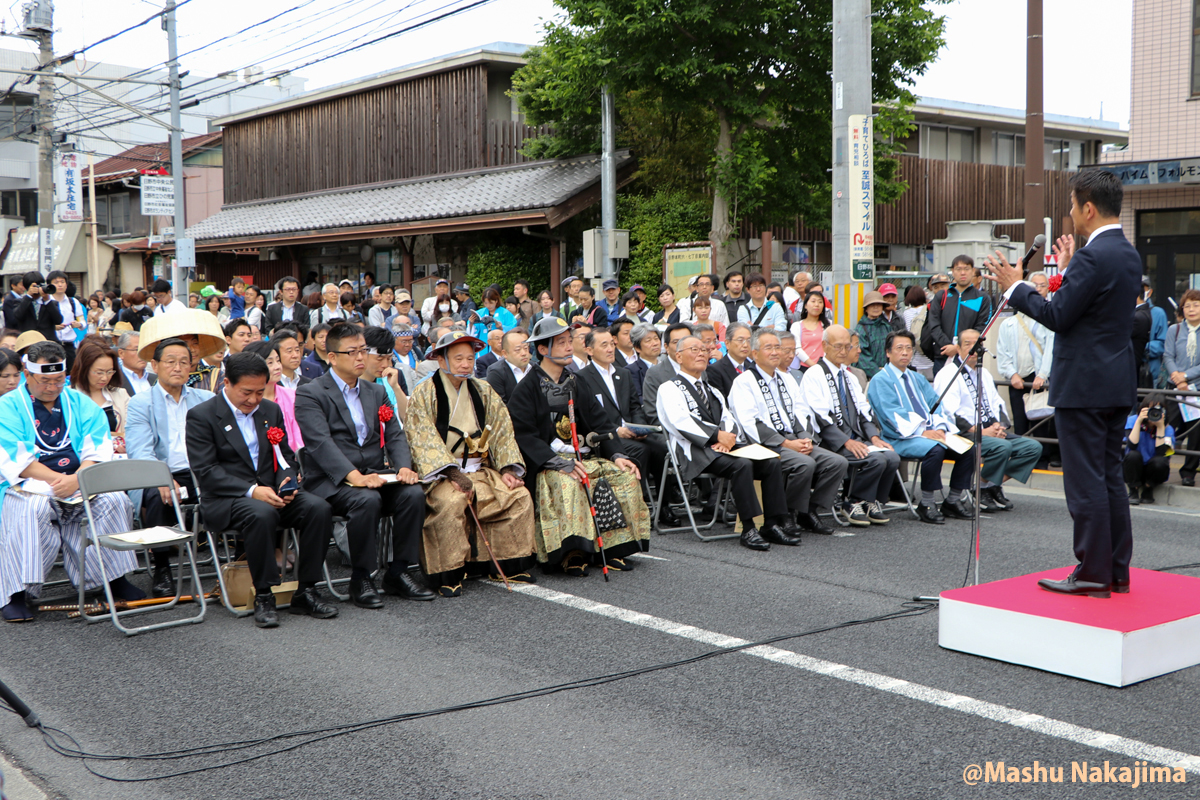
(287, 488)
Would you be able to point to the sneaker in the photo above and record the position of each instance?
(875, 514)
(858, 515)
(1134, 498)
(999, 498)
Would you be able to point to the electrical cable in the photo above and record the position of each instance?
(71, 55)
(196, 99)
(50, 734)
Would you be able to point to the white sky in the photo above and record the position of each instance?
(984, 61)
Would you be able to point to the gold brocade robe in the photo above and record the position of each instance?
(449, 538)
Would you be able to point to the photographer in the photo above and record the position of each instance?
(1149, 442)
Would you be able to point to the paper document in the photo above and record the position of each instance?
(874, 448)
(957, 443)
(754, 452)
(151, 536)
(34, 486)
(1189, 407)
(388, 477)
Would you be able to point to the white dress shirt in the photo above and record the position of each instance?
(290, 383)
(177, 457)
(518, 374)
(354, 403)
(173, 307)
(136, 384)
(245, 423)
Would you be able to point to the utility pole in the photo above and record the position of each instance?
(608, 185)
(39, 23)
(1035, 147)
(185, 251)
(851, 97)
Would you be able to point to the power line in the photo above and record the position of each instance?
(197, 99)
(70, 56)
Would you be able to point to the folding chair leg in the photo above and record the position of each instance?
(212, 545)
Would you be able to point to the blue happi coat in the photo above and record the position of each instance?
(899, 423)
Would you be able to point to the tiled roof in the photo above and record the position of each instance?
(537, 185)
(147, 156)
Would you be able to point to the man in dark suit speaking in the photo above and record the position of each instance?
(244, 486)
(1095, 377)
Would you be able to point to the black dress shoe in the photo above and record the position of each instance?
(777, 535)
(122, 589)
(406, 585)
(163, 584)
(812, 523)
(791, 528)
(930, 514)
(265, 615)
(1121, 586)
(999, 498)
(1076, 587)
(364, 594)
(752, 540)
(308, 601)
(1147, 495)
(958, 509)
(1188, 481)
(666, 519)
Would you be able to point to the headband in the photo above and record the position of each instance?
(409, 333)
(376, 352)
(53, 368)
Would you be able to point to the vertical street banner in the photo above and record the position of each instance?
(68, 199)
(862, 197)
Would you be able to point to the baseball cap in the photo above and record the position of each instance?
(612, 283)
(441, 280)
(462, 288)
(940, 277)
(567, 280)
(403, 297)
(888, 288)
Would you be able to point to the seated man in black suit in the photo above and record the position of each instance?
(249, 485)
(352, 436)
(612, 386)
(647, 343)
(721, 374)
(505, 374)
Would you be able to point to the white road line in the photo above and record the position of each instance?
(647, 555)
(884, 683)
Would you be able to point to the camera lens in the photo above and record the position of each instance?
(1154, 414)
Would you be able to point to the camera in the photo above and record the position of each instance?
(1154, 414)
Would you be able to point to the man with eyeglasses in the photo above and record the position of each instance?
(49, 436)
(156, 429)
(703, 431)
(847, 427)
(903, 401)
(705, 286)
(133, 368)
(358, 460)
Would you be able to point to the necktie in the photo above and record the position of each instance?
(912, 396)
(842, 391)
(739, 370)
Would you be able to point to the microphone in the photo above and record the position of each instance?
(1039, 242)
(593, 438)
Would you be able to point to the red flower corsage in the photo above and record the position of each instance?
(1055, 282)
(385, 416)
(275, 438)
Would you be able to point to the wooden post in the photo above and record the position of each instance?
(407, 264)
(556, 272)
(93, 251)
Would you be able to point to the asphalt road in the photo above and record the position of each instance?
(731, 726)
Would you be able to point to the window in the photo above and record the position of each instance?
(1169, 223)
(1195, 48)
(1064, 154)
(1008, 149)
(948, 144)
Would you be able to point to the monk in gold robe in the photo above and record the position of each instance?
(461, 439)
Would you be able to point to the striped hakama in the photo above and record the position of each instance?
(33, 528)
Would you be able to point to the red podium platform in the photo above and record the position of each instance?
(1152, 630)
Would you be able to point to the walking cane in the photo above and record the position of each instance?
(488, 545)
(587, 484)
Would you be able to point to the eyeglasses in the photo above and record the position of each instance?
(838, 348)
(902, 349)
(693, 349)
(353, 353)
(104, 373)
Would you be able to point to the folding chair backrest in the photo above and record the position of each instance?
(123, 475)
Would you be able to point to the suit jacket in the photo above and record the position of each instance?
(148, 429)
(31, 315)
(722, 374)
(331, 449)
(626, 406)
(655, 377)
(637, 371)
(11, 303)
(500, 377)
(1092, 317)
(483, 363)
(220, 459)
(274, 316)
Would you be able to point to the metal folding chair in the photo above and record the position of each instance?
(123, 476)
(720, 488)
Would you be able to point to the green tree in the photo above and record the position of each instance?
(503, 262)
(653, 221)
(754, 72)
